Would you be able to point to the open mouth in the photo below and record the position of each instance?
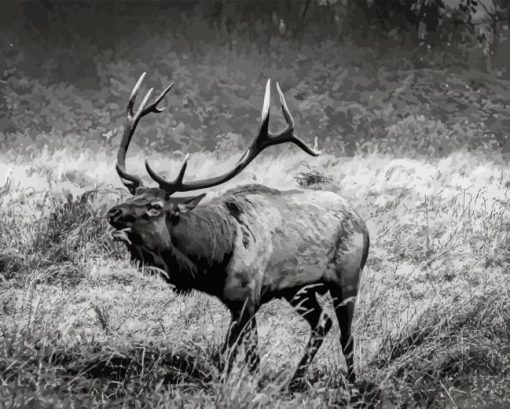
(121, 235)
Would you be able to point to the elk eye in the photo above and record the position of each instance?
(156, 206)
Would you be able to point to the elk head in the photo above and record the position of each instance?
(146, 218)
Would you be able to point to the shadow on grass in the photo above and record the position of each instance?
(149, 362)
(96, 369)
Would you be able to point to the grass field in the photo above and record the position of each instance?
(82, 327)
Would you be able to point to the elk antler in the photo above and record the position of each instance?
(132, 182)
(261, 141)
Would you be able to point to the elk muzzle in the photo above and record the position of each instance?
(119, 218)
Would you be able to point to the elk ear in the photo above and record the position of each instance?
(189, 203)
(131, 187)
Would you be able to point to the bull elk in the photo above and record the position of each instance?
(250, 245)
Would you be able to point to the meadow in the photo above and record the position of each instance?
(82, 326)
(416, 139)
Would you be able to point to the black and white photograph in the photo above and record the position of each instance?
(251, 204)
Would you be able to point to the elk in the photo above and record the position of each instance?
(251, 244)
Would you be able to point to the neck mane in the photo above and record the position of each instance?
(202, 243)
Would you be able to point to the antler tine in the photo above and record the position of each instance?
(287, 135)
(142, 111)
(164, 184)
(266, 106)
(154, 106)
(263, 139)
(134, 92)
(285, 108)
(132, 182)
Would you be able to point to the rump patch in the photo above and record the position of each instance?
(345, 268)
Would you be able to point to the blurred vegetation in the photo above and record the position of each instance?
(362, 76)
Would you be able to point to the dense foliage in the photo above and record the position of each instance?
(357, 81)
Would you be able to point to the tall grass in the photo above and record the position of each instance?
(80, 326)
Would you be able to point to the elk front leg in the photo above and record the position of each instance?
(243, 330)
(307, 306)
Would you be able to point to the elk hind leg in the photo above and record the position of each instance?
(320, 323)
(344, 309)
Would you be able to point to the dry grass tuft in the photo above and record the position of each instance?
(311, 177)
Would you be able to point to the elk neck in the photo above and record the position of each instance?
(202, 244)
